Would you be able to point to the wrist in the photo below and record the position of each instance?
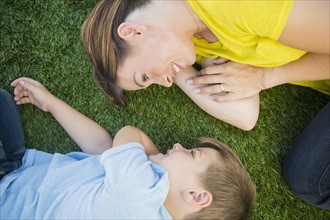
(271, 78)
(52, 103)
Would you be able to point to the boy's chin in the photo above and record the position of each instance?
(156, 157)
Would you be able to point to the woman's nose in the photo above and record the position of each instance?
(165, 81)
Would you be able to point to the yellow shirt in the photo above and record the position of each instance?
(248, 33)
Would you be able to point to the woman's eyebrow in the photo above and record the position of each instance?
(135, 81)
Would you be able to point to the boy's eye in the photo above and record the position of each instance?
(145, 77)
(192, 152)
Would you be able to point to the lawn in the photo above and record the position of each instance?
(41, 39)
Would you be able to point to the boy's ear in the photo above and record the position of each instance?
(129, 31)
(198, 198)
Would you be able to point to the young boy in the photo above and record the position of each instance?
(123, 178)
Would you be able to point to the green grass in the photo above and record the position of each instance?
(41, 39)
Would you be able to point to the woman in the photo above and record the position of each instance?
(133, 44)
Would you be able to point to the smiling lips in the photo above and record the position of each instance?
(176, 68)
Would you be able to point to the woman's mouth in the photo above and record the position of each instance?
(176, 68)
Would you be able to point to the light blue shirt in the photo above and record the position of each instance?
(119, 184)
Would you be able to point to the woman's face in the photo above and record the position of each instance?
(156, 59)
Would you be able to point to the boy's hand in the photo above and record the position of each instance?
(31, 91)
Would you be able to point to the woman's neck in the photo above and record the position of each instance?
(201, 30)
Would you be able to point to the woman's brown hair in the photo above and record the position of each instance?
(104, 48)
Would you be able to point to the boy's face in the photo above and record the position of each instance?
(185, 166)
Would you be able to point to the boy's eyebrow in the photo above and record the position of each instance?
(136, 82)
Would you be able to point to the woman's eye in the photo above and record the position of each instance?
(145, 77)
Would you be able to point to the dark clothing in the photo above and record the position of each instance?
(307, 165)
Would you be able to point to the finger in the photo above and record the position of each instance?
(23, 86)
(210, 70)
(23, 100)
(225, 97)
(19, 85)
(219, 60)
(18, 92)
(212, 89)
(208, 79)
(20, 95)
(28, 85)
(25, 80)
(18, 89)
(16, 81)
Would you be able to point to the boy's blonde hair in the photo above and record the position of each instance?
(229, 183)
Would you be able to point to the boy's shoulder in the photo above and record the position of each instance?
(137, 179)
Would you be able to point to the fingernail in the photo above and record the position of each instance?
(197, 90)
(218, 61)
(189, 81)
(211, 97)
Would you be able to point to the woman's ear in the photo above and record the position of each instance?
(198, 198)
(129, 31)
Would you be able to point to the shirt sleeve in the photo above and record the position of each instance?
(129, 173)
(247, 31)
(262, 18)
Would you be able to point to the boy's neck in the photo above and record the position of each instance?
(177, 206)
(173, 210)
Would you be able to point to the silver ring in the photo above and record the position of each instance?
(221, 87)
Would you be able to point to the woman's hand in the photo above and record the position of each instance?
(227, 80)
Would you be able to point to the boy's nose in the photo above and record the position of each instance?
(177, 146)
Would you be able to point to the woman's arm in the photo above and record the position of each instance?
(132, 134)
(310, 67)
(242, 80)
(307, 28)
(89, 136)
(241, 113)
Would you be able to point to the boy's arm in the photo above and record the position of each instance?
(89, 136)
(132, 134)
